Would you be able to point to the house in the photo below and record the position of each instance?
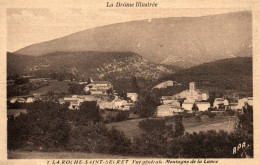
(13, 100)
(233, 106)
(98, 87)
(169, 100)
(188, 105)
(30, 100)
(242, 101)
(193, 94)
(203, 106)
(21, 100)
(15, 112)
(76, 100)
(132, 96)
(119, 104)
(168, 110)
(220, 101)
(39, 79)
(105, 104)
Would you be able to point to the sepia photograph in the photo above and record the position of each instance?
(117, 83)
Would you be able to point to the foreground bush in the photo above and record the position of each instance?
(43, 128)
(97, 138)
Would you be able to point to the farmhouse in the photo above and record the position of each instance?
(98, 87)
(132, 96)
(76, 100)
(168, 110)
(203, 106)
(120, 104)
(168, 100)
(188, 104)
(22, 99)
(220, 101)
(241, 102)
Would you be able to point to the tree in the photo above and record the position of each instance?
(146, 105)
(246, 119)
(179, 128)
(135, 86)
(44, 127)
(195, 108)
(89, 112)
(154, 139)
(110, 91)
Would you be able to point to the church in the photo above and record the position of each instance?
(193, 94)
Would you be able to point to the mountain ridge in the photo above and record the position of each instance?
(116, 67)
(179, 41)
(232, 74)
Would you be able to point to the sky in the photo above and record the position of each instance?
(30, 26)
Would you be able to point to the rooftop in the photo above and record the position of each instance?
(101, 82)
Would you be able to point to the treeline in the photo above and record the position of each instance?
(24, 88)
(49, 126)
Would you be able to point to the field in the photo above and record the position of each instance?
(131, 129)
(61, 155)
(55, 86)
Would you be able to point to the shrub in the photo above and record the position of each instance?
(122, 116)
(44, 127)
(210, 114)
(198, 118)
(229, 112)
(187, 115)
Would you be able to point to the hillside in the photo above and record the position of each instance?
(118, 67)
(179, 41)
(229, 74)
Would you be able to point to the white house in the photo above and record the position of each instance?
(242, 101)
(30, 100)
(13, 100)
(21, 100)
(220, 101)
(188, 104)
(98, 87)
(76, 100)
(119, 104)
(168, 110)
(132, 96)
(203, 106)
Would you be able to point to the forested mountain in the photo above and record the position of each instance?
(232, 74)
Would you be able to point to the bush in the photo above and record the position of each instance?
(97, 138)
(44, 127)
(198, 118)
(187, 115)
(122, 116)
(210, 114)
(229, 112)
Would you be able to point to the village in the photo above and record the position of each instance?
(191, 100)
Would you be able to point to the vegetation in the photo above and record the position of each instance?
(49, 126)
(146, 105)
(218, 77)
(22, 86)
(44, 127)
(116, 67)
(76, 88)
